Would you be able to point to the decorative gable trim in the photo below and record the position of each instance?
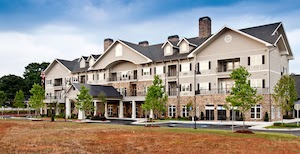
(168, 42)
(223, 29)
(184, 39)
(56, 60)
(119, 41)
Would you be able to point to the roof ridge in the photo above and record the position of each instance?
(260, 26)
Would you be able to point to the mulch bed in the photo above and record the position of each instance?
(244, 131)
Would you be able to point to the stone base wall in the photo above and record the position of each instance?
(219, 100)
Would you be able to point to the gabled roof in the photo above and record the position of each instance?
(185, 39)
(240, 32)
(172, 43)
(95, 90)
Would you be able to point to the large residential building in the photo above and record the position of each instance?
(192, 69)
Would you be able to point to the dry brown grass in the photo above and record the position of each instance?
(61, 137)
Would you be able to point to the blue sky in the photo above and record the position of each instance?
(42, 30)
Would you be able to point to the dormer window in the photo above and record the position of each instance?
(118, 50)
(183, 47)
(82, 63)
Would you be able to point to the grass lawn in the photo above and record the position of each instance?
(285, 126)
(67, 137)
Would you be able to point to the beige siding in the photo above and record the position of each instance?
(127, 55)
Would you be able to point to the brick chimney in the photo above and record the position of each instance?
(107, 43)
(144, 43)
(204, 27)
(173, 38)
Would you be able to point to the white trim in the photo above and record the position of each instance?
(226, 27)
(169, 43)
(102, 55)
(276, 28)
(187, 42)
(57, 62)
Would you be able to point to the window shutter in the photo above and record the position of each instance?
(209, 86)
(249, 82)
(104, 75)
(164, 69)
(198, 86)
(150, 71)
(142, 72)
(248, 61)
(263, 59)
(190, 87)
(198, 67)
(180, 68)
(209, 65)
(154, 70)
(190, 66)
(180, 87)
(263, 83)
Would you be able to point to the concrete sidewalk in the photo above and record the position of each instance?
(255, 125)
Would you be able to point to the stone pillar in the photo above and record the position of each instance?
(121, 113)
(133, 114)
(81, 115)
(105, 110)
(95, 110)
(68, 108)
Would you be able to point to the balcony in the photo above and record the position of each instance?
(172, 92)
(228, 65)
(125, 78)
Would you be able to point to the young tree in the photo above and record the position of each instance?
(37, 97)
(155, 98)
(3, 98)
(102, 98)
(19, 100)
(242, 96)
(84, 100)
(285, 93)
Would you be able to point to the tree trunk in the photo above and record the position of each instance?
(243, 121)
(18, 112)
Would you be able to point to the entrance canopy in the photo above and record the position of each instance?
(95, 90)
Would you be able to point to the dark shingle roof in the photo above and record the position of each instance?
(96, 56)
(95, 90)
(69, 64)
(263, 32)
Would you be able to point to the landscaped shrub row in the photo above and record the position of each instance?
(285, 125)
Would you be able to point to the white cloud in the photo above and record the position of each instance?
(44, 44)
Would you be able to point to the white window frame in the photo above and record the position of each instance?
(255, 113)
(279, 113)
(185, 111)
(204, 65)
(204, 86)
(273, 112)
(146, 71)
(185, 87)
(110, 110)
(49, 81)
(119, 50)
(185, 67)
(256, 60)
(256, 83)
(171, 110)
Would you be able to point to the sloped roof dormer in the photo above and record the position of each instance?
(169, 48)
(185, 46)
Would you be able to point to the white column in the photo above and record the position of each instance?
(41, 110)
(45, 108)
(81, 115)
(121, 109)
(105, 110)
(68, 108)
(95, 110)
(56, 109)
(133, 114)
(151, 114)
